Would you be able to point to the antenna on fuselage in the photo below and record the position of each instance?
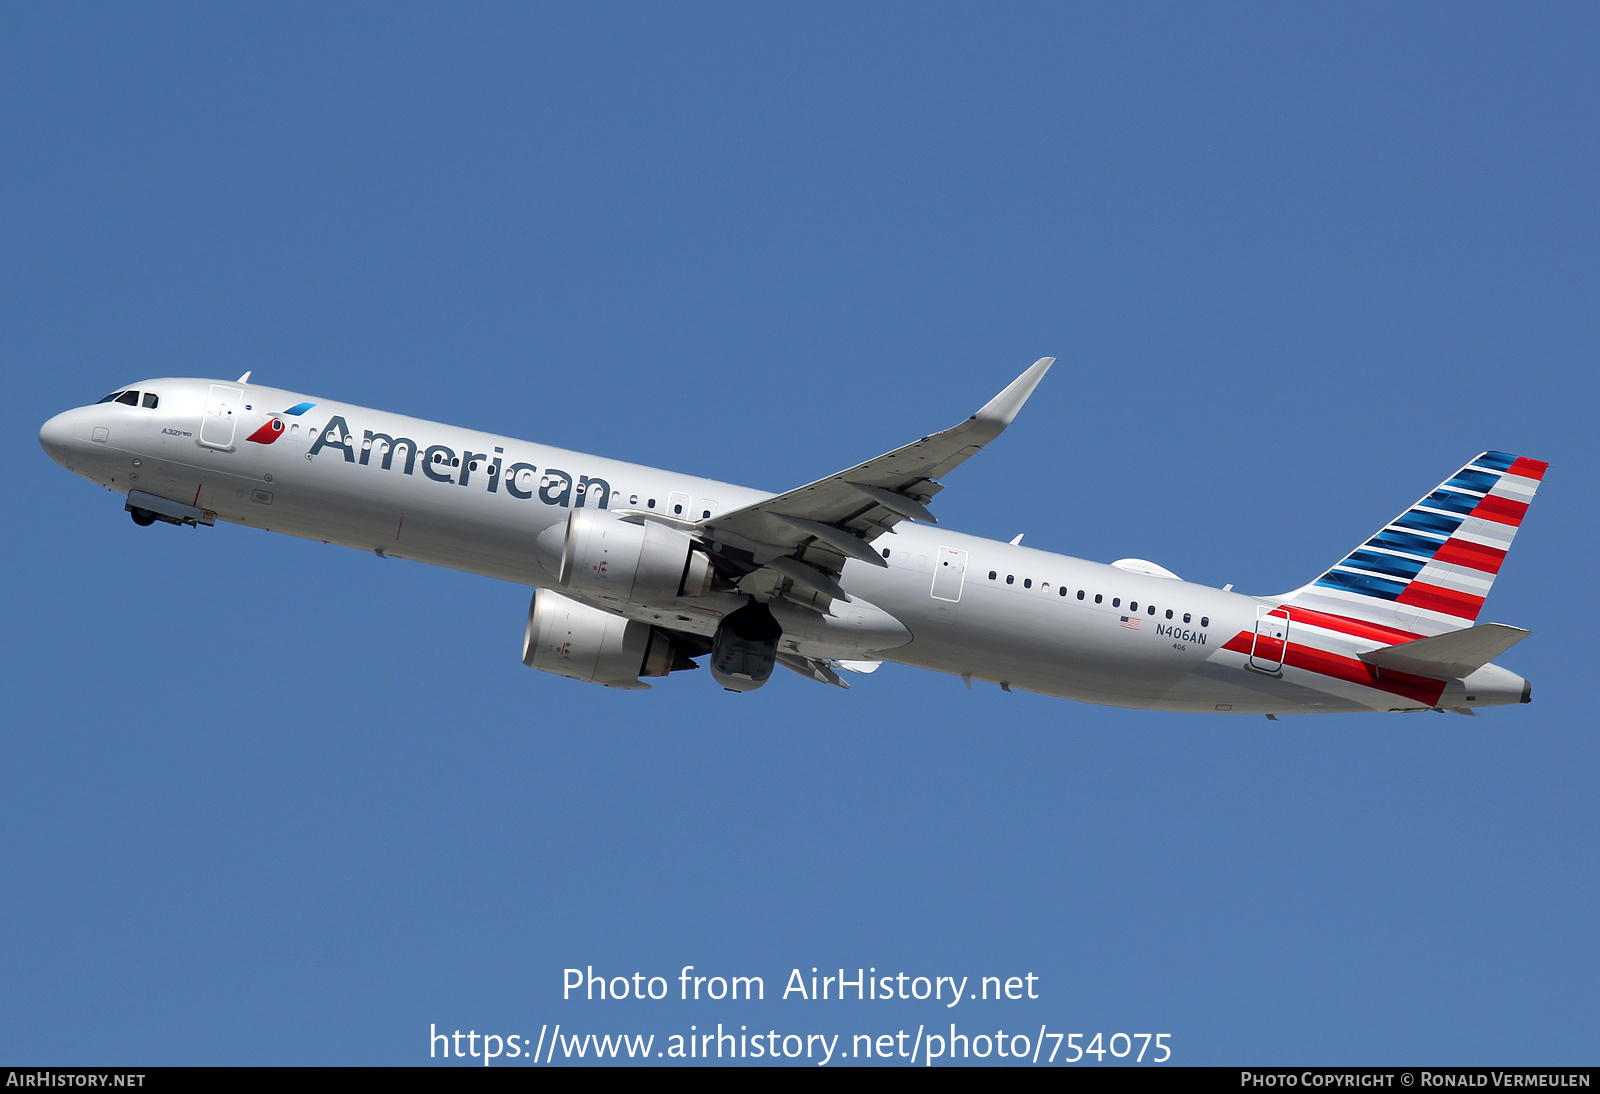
(245, 379)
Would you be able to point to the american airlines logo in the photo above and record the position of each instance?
(443, 464)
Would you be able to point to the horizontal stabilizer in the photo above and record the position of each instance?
(1453, 655)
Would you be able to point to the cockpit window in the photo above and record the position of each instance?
(151, 400)
(108, 398)
(129, 398)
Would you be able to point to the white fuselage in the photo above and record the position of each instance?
(476, 502)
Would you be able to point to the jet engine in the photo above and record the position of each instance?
(745, 648)
(574, 640)
(600, 553)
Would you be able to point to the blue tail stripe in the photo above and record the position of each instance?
(1393, 565)
(1408, 542)
(1468, 479)
(1429, 522)
(1380, 587)
(1451, 501)
(1499, 461)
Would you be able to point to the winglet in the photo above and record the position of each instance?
(1003, 407)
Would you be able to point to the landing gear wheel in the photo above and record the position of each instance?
(144, 518)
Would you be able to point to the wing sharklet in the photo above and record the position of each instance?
(1002, 409)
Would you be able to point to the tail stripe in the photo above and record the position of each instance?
(1393, 565)
(1448, 601)
(1343, 624)
(1451, 501)
(1422, 521)
(1498, 461)
(1463, 552)
(1408, 542)
(1431, 567)
(1418, 689)
(1480, 481)
(1503, 510)
(1362, 583)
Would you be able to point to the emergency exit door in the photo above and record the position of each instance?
(1271, 642)
(949, 571)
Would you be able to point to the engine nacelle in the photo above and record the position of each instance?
(745, 648)
(598, 552)
(571, 639)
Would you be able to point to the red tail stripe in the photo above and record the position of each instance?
(1420, 689)
(1344, 625)
(1532, 469)
(1460, 552)
(1501, 510)
(1422, 595)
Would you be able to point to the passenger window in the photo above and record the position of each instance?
(705, 513)
(1027, 583)
(1097, 597)
(886, 552)
(1116, 602)
(1152, 610)
(1080, 594)
(129, 398)
(633, 499)
(992, 575)
(1063, 591)
(1169, 613)
(677, 510)
(151, 400)
(455, 461)
(1133, 605)
(473, 466)
(108, 398)
(1186, 617)
(652, 503)
(1011, 579)
(1205, 621)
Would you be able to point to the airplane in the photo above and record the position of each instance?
(637, 572)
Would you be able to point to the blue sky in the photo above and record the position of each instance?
(273, 802)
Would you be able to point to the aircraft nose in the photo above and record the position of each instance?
(55, 436)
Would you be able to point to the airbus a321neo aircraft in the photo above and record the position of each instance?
(637, 571)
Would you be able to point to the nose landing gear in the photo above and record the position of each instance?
(144, 518)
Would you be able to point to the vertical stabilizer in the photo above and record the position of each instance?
(1428, 571)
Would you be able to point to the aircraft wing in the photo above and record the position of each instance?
(795, 544)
